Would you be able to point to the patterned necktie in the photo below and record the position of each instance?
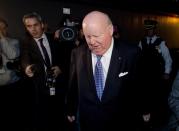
(99, 77)
(47, 59)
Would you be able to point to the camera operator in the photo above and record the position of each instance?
(41, 63)
(67, 32)
(10, 82)
(68, 35)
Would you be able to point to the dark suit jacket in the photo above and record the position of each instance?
(32, 55)
(116, 110)
(45, 109)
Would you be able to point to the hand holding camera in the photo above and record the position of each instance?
(56, 71)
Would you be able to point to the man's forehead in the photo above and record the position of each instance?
(94, 23)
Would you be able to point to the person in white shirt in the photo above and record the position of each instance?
(156, 66)
(10, 80)
(42, 64)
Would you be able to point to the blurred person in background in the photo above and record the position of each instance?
(155, 69)
(10, 80)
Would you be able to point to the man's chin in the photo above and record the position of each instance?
(97, 52)
(36, 35)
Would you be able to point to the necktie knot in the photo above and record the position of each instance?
(41, 40)
(99, 57)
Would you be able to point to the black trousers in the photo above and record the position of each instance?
(11, 104)
(44, 112)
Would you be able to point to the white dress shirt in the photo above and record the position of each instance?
(105, 60)
(47, 46)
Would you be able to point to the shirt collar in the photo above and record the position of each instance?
(153, 38)
(37, 39)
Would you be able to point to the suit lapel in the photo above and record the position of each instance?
(37, 50)
(89, 70)
(116, 66)
(112, 76)
(50, 41)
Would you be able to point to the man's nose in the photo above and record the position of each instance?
(33, 28)
(92, 40)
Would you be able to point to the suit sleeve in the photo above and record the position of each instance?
(72, 95)
(25, 54)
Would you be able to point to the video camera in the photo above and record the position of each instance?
(15, 65)
(68, 30)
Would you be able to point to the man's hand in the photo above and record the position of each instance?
(166, 76)
(57, 34)
(29, 70)
(56, 71)
(146, 117)
(71, 118)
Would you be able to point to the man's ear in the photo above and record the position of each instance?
(42, 24)
(111, 29)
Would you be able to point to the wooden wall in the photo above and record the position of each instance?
(130, 22)
(168, 26)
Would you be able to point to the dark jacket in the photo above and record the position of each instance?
(116, 110)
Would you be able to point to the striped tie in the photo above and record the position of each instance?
(47, 59)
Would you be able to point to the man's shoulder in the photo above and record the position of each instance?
(127, 47)
(27, 38)
(80, 50)
(158, 41)
(128, 50)
(81, 47)
(49, 35)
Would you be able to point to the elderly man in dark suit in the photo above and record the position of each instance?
(41, 63)
(102, 78)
